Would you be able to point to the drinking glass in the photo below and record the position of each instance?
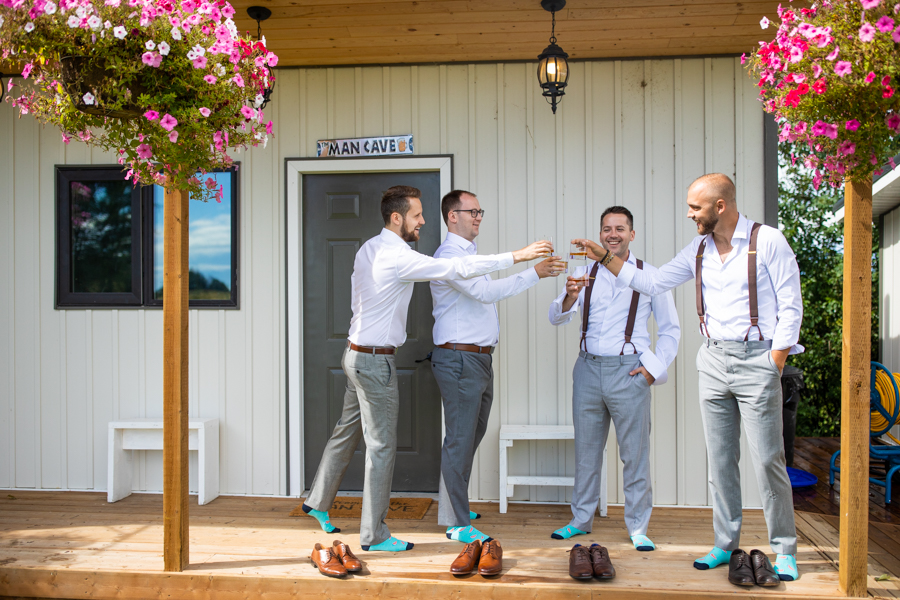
(584, 280)
(548, 238)
(577, 252)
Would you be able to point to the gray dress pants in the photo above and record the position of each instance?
(603, 390)
(740, 382)
(466, 381)
(371, 408)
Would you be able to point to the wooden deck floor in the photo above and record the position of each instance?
(76, 545)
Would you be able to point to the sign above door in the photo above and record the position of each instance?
(372, 146)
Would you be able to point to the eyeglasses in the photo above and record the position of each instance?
(472, 211)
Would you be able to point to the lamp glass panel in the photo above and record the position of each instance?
(542, 71)
(562, 69)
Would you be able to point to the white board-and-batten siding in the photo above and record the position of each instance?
(889, 281)
(634, 133)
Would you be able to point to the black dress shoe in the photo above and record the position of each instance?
(740, 571)
(762, 569)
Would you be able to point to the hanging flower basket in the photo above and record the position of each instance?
(169, 86)
(831, 78)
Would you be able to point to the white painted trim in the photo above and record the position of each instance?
(296, 168)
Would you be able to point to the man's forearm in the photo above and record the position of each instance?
(567, 303)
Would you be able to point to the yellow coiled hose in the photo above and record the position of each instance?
(888, 401)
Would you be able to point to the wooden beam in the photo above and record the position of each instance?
(855, 367)
(175, 381)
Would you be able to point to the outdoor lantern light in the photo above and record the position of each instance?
(553, 70)
(260, 14)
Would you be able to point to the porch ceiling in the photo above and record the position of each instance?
(313, 33)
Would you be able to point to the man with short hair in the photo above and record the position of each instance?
(612, 379)
(466, 330)
(750, 310)
(384, 272)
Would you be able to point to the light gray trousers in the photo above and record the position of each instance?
(371, 408)
(466, 381)
(603, 390)
(739, 381)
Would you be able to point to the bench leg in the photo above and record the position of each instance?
(119, 468)
(208, 464)
(504, 475)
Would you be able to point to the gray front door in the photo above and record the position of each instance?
(341, 212)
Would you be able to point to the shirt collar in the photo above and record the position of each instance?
(741, 229)
(462, 242)
(389, 237)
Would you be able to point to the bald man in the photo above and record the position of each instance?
(750, 310)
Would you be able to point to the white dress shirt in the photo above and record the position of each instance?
(725, 286)
(384, 272)
(464, 311)
(609, 315)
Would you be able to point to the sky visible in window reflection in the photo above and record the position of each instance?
(209, 243)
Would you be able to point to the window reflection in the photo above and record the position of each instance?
(209, 243)
(101, 236)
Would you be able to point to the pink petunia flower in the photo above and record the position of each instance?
(866, 32)
(870, 77)
(269, 127)
(238, 80)
(205, 111)
(818, 128)
(896, 35)
(248, 112)
(803, 89)
(800, 128)
(842, 68)
(799, 77)
(820, 87)
(173, 137)
(151, 115)
(66, 138)
(893, 122)
(144, 151)
(147, 58)
(870, 4)
(888, 92)
(886, 80)
(885, 24)
(168, 122)
(846, 148)
(834, 53)
(831, 131)
(796, 54)
(26, 71)
(851, 125)
(817, 70)
(271, 59)
(200, 62)
(210, 79)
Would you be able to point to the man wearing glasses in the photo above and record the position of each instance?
(466, 329)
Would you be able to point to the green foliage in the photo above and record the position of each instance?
(805, 216)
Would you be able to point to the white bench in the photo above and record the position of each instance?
(511, 433)
(147, 434)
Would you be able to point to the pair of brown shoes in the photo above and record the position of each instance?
(585, 562)
(335, 561)
(488, 557)
(751, 569)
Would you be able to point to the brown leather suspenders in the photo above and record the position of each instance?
(751, 285)
(632, 311)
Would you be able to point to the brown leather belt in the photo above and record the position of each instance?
(371, 350)
(469, 348)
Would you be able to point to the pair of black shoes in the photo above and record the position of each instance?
(751, 569)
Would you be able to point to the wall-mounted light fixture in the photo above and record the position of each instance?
(553, 69)
(260, 14)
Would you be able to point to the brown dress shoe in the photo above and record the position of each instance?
(346, 556)
(491, 558)
(580, 563)
(740, 571)
(762, 569)
(600, 562)
(467, 560)
(327, 562)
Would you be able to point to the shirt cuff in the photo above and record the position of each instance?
(655, 367)
(506, 260)
(626, 275)
(530, 276)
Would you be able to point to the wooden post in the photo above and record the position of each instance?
(175, 381)
(856, 345)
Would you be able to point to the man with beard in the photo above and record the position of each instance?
(466, 329)
(612, 379)
(384, 272)
(748, 301)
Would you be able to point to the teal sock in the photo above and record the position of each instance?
(566, 532)
(322, 518)
(467, 535)
(786, 567)
(474, 515)
(716, 557)
(391, 544)
(642, 543)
